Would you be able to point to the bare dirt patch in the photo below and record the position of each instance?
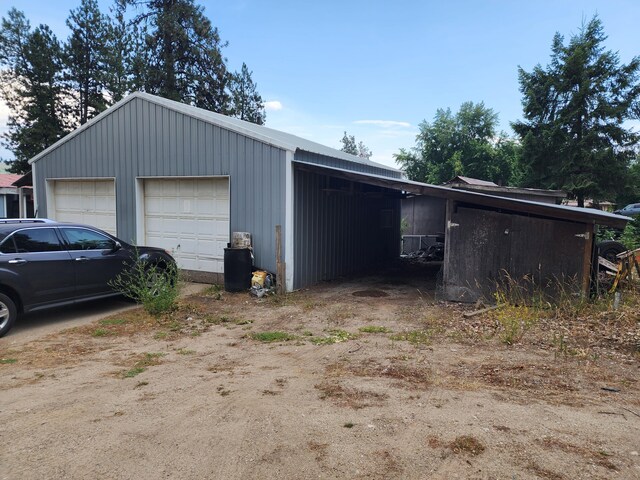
(325, 384)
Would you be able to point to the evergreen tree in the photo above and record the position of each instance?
(349, 144)
(86, 58)
(182, 54)
(246, 102)
(32, 74)
(359, 149)
(573, 135)
(119, 54)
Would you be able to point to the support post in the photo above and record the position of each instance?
(280, 266)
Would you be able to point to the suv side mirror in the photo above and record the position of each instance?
(116, 246)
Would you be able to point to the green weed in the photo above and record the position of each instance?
(414, 337)
(270, 337)
(334, 336)
(375, 329)
(7, 361)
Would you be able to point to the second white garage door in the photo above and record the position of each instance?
(190, 218)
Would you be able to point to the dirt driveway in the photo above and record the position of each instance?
(366, 379)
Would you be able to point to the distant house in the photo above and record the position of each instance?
(9, 201)
(482, 186)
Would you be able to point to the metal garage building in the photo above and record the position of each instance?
(158, 172)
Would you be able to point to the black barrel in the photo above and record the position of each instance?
(237, 269)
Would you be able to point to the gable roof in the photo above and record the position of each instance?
(270, 136)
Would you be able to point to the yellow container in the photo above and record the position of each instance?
(258, 278)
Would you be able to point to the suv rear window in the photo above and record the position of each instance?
(31, 241)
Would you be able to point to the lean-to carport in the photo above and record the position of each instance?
(486, 236)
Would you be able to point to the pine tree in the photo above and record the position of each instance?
(246, 102)
(182, 55)
(86, 57)
(573, 135)
(32, 75)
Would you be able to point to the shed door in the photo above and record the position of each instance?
(534, 252)
(92, 202)
(190, 218)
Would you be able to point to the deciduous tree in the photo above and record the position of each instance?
(465, 143)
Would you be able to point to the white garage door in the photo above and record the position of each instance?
(189, 217)
(85, 201)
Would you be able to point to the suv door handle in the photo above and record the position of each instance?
(82, 259)
(17, 261)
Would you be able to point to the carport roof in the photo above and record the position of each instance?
(283, 140)
(561, 212)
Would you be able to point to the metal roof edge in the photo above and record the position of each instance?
(583, 215)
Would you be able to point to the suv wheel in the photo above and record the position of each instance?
(8, 314)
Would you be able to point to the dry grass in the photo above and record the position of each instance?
(350, 397)
(466, 444)
(406, 376)
(598, 457)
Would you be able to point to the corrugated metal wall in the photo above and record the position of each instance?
(143, 139)
(338, 228)
(309, 157)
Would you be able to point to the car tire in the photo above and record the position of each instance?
(8, 313)
(609, 249)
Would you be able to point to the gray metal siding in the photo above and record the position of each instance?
(339, 233)
(317, 159)
(142, 139)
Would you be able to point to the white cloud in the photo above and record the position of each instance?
(273, 105)
(383, 123)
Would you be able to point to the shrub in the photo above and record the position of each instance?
(154, 286)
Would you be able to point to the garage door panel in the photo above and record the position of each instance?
(85, 201)
(190, 217)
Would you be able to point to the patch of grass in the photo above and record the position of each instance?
(375, 329)
(467, 445)
(8, 361)
(214, 291)
(242, 321)
(350, 397)
(415, 337)
(270, 337)
(113, 321)
(133, 372)
(334, 336)
(102, 332)
(184, 351)
(307, 333)
(160, 335)
(144, 360)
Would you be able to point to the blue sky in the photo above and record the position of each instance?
(377, 68)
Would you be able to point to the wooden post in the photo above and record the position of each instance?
(587, 264)
(280, 266)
